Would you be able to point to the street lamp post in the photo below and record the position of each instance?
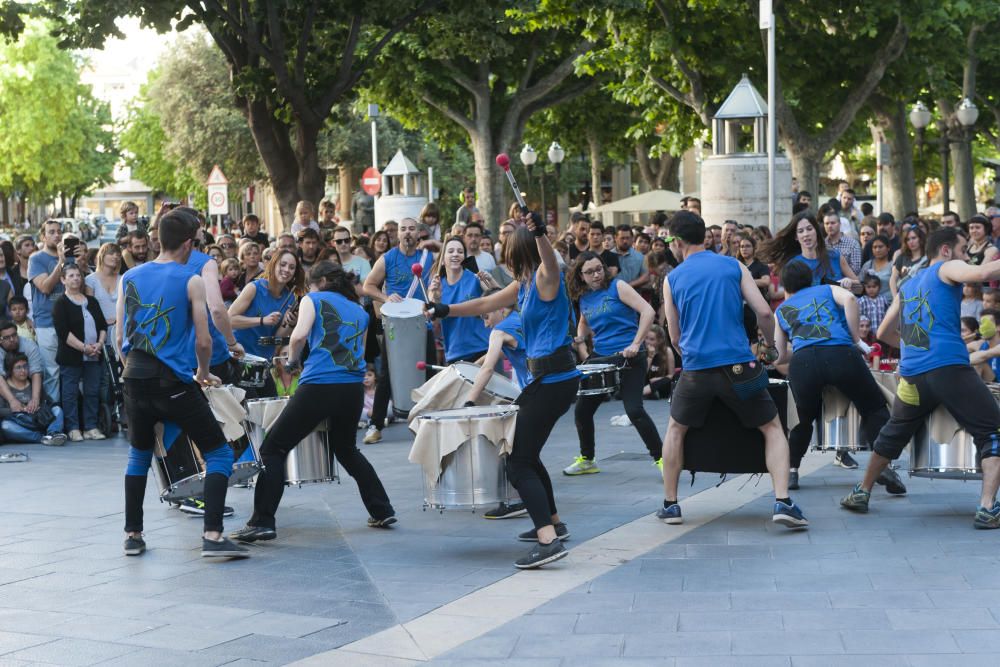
(920, 118)
(556, 156)
(528, 158)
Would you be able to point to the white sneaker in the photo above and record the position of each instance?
(372, 436)
(94, 434)
(75, 435)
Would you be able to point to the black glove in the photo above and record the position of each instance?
(539, 229)
(469, 404)
(440, 310)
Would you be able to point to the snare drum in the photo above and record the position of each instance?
(839, 432)
(178, 465)
(246, 461)
(310, 461)
(474, 475)
(253, 371)
(598, 379)
(497, 387)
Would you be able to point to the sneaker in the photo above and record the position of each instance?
(75, 435)
(505, 511)
(54, 439)
(197, 506)
(562, 533)
(94, 434)
(362, 424)
(793, 480)
(381, 523)
(134, 546)
(789, 515)
(845, 460)
(670, 514)
(542, 554)
(250, 533)
(581, 466)
(987, 518)
(13, 457)
(372, 435)
(856, 500)
(224, 548)
(659, 465)
(891, 481)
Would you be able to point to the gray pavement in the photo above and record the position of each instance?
(911, 581)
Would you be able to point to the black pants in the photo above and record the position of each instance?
(339, 405)
(380, 404)
(817, 366)
(540, 407)
(633, 379)
(228, 371)
(150, 401)
(961, 391)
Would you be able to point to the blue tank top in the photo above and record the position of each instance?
(462, 335)
(336, 341)
(614, 323)
(833, 274)
(546, 325)
(158, 315)
(812, 317)
(706, 291)
(517, 356)
(929, 324)
(220, 351)
(263, 304)
(399, 271)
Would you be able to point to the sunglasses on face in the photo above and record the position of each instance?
(341, 241)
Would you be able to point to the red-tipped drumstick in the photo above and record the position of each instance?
(504, 163)
(418, 272)
(423, 365)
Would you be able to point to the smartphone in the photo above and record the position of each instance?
(70, 245)
(469, 263)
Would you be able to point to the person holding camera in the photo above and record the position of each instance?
(81, 330)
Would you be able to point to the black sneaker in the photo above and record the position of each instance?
(845, 460)
(793, 480)
(891, 481)
(250, 533)
(542, 554)
(134, 546)
(224, 548)
(381, 523)
(562, 533)
(505, 511)
(197, 506)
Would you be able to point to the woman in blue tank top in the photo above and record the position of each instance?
(333, 323)
(618, 318)
(545, 318)
(802, 240)
(266, 307)
(820, 324)
(507, 340)
(465, 338)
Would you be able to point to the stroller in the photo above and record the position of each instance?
(111, 413)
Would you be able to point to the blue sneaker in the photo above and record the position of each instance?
(789, 515)
(988, 518)
(670, 514)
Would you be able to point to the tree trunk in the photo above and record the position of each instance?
(62, 204)
(4, 209)
(595, 168)
(964, 180)
(274, 145)
(72, 204)
(805, 167)
(899, 189)
(489, 178)
(347, 185)
(311, 183)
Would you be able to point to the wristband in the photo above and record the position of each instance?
(261, 321)
(233, 344)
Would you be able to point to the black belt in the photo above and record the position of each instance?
(560, 361)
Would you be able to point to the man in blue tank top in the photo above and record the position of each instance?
(934, 369)
(163, 316)
(393, 271)
(703, 300)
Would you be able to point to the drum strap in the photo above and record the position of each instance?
(560, 361)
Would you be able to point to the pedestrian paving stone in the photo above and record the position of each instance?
(73, 652)
(890, 641)
(678, 644)
(556, 646)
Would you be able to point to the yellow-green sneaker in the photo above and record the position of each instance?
(581, 466)
(659, 464)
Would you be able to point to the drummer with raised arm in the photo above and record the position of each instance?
(821, 323)
(333, 323)
(545, 317)
(619, 319)
(394, 271)
(934, 369)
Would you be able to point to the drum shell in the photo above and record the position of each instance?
(598, 379)
(180, 474)
(405, 331)
(956, 459)
(472, 476)
(841, 432)
(311, 461)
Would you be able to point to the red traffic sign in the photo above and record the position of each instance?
(371, 181)
(217, 177)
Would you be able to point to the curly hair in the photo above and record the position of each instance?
(785, 245)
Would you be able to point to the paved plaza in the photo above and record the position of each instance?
(911, 583)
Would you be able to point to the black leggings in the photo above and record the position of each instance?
(380, 404)
(540, 407)
(339, 405)
(633, 379)
(817, 366)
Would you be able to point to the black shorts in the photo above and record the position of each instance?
(961, 391)
(696, 390)
(150, 401)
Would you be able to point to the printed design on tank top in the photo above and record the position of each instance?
(335, 345)
(143, 335)
(917, 320)
(810, 322)
(601, 308)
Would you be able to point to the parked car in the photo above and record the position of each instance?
(109, 232)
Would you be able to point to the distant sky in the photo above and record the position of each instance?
(142, 46)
